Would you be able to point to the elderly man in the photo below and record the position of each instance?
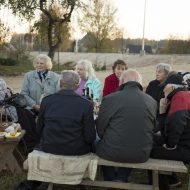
(125, 125)
(66, 124)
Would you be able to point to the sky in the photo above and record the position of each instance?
(163, 18)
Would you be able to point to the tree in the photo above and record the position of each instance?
(4, 33)
(98, 20)
(59, 30)
(27, 9)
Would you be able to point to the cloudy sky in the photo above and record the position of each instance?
(163, 18)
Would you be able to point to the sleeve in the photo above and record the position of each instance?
(40, 121)
(97, 91)
(57, 81)
(106, 87)
(58, 85)
(103, 118)
(25, 90)
(176, 121)
(148, 89)
(89, 125)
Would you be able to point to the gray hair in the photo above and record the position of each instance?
(44, 59)
(164, 66)
(131, 75)
(69, 80)
(89, 70)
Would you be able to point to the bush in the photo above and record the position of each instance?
(8, 62)
(66, 66)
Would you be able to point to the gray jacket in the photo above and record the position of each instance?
(125, 125)
(34, 90)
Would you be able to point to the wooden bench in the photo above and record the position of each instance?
(157, 166)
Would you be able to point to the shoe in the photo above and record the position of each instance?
(174, 180)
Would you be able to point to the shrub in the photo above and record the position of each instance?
(8, 61)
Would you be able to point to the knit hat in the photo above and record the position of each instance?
(174, 79)
(186, 78)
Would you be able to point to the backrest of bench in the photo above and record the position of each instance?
(151, 164)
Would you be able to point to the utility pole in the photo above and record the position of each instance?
(143, 50)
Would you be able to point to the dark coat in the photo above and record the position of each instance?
(111, 84)
(155, 90)
(66, 124)
(125, 125)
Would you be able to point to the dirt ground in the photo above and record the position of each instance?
(147, 72)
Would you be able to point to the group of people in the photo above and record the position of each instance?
(132, 125)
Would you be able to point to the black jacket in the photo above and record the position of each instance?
(125, 125)
(155, 90)
(66, 124)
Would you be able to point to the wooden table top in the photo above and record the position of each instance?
(13, 139)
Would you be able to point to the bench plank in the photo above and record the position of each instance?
(116, 185)
(151, 164)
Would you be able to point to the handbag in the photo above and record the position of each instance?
(14, 99)
(17, 100)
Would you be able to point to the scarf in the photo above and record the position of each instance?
(42, 74)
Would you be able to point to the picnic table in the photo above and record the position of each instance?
(7, 158)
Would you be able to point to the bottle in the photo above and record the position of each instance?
(92, 96)
(83, 92)
(88, 94)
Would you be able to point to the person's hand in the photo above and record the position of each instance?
(96, 107)
(163, 105)
(36, 107)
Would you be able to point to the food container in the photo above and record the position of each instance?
(2, 135)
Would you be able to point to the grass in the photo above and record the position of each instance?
(25, 67)
(9, 180)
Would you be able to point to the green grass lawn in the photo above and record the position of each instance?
(22, 68)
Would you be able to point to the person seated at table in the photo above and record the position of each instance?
(88, 80)
(9, 111)
(174, 144)
(125, 126)
(65, 123)
(154, 89)
(112, 81)
(37, 84)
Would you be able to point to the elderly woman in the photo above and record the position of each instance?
(153, 88)
(9, 110)
(37, 84)
(88, 80)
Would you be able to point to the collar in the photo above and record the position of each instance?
(130, 84)
(67, 92)
(48, 74)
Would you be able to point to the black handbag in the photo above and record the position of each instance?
(18, 100)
